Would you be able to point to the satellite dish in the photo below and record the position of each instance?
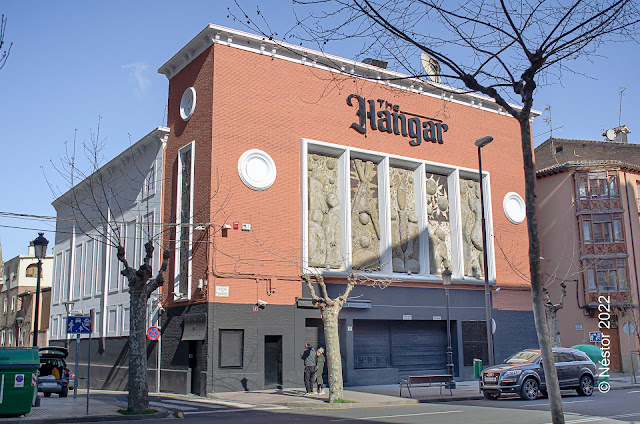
(611, 135)
(431, 67)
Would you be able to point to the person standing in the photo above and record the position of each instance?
(309, 358)
(320, 359)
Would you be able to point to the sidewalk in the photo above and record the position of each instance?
(66, 410)
(63, 410)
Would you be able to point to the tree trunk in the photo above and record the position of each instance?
(138, 385)
(334, 358)
(554, 327)
(537, 295)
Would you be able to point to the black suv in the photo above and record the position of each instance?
(54, 374)
(522, 374)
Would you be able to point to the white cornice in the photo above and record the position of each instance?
(216, 34)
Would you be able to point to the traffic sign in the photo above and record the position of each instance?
(595, 336)
(153, 333)
(79, 325)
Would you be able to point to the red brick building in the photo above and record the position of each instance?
(283, 160)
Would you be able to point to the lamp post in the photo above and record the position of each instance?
(481, 142)
(19, 323)
(40, 248)
(446, 282)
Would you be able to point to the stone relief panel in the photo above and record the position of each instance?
(438, 224)
(404, 222)
(325, 250)
(471, 212)
(365, 224)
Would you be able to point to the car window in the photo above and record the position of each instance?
(563, 357)
(521, 357)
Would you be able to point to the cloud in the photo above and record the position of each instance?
(138, 75)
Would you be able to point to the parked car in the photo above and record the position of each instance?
(54, 374)
(522, 373)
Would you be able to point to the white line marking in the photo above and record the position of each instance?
(397, 416)
(624, 415)
(184, 402)
(634, 391)
(164, 405)
(584, 420)
(547, 404)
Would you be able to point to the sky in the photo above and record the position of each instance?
(77, 66)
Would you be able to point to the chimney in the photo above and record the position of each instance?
(617, 134)
(375, 62)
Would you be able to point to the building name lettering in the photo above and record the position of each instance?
(390, 119)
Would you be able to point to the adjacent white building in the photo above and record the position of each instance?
(119, 201)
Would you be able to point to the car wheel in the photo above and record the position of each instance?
(529, 389)
(585, 388)
(47, 394)
(64, 392)
(491, 396)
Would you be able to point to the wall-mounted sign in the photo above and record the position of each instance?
(391, 119)
(578, 327)
(407, 317)
(222, 291)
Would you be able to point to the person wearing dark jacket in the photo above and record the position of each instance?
(320, 359)
(309, 358)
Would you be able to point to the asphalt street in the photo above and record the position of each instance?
(613, 407)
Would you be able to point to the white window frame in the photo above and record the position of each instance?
(176, 282)
(454, 174)
(112, 331)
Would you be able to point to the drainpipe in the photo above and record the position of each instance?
(633, 245)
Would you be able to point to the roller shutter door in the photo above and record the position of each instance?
(419, 347)
(371, 344)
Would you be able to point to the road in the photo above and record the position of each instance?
(617, 406)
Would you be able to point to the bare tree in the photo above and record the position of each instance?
(98, 200)
(4, 54)
(330, 310)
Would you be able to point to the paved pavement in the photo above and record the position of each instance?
(104, 404)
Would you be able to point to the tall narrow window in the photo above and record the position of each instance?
(324, 212)
(405, 230)
(439, 226)
(88, 275)
(77, 271)
(185, 205)
(365, 222)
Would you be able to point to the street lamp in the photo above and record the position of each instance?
(446, 282)
(40, 248)
(481, 142)
(19, 323)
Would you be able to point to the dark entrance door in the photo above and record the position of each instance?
(273, 362)
(195, 365)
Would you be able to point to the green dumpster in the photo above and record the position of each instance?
(477, 368)
(18, 367)
(595, 354)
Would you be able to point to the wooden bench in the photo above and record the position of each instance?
(426, 381)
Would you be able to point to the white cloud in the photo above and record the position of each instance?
(138, 75)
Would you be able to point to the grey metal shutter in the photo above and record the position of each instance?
(419, 346)
(314, 333)
(371, 344)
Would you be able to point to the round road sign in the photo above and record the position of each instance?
(153, 333)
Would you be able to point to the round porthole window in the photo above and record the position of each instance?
(256, 169)
(514, 208)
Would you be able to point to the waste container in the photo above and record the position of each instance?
(18, 379)
(595, 354)
(477, 368)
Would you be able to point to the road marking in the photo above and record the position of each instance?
(547, 404)
(634, 391)
(188, 403)
(625, 415)
(397, 416)
(164, 405)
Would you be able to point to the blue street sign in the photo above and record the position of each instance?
(78, 325)
(595, 336)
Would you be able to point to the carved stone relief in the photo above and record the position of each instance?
(471, 212)
(438, 225)
(404, 222)
(324, 212)
(365, 225)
